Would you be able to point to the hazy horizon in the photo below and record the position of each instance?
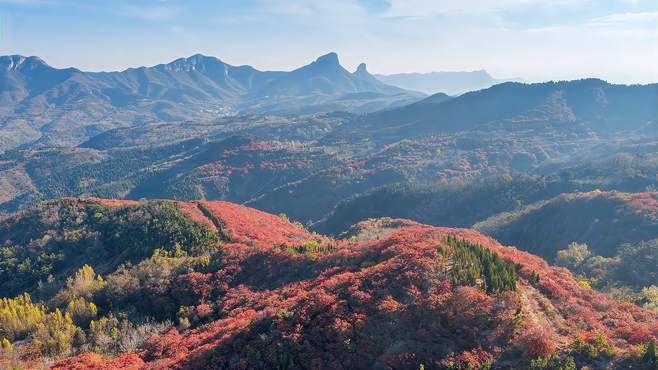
(535, 40)
(351, 69)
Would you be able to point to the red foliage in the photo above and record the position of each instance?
(248, 225)
(191, 210)
(634, 334)
(194, 286)
(537, 343)
(92, 361)
(389, 305)
(643, 202)
(382, 301)
(474, 359)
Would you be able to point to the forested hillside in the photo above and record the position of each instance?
(306, 165)
(607, 238)
(182, 292)
(360, 250)
(603, 220)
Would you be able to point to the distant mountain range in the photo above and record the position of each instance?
(588, 105)
(305, 165)
(42, 105)
(451, 83)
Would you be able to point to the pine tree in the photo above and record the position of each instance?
(6, 345)
(474, 265)
(570, 364)
(650, 354)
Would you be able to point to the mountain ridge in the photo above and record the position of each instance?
(47, 106)
(451, 83)
(588, 104)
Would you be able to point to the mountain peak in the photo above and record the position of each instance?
(328, 59)
(201, 57)
(15, 62)
(194, 62)
(361, 69)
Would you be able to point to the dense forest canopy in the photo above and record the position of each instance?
(123, 284)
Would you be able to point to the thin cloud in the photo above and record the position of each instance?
(433, 7)
(646, 18)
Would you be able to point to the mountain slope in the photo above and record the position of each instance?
(238, 168)
(326, 76)
(274, 295)
(591, 104)
(455, 205)
(602, 220)
(324, 85)
(299, 167)
(185, 80)
(465, 203)
(42, 105)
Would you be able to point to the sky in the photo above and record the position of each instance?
(537, 40)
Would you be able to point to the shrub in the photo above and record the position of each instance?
(476, 359)
(111, 335)
(83, 286)
(537, 344)
(650, 297)
(650, 357)
(81, 311)
(56, 335)
(19, 317)
(553, 363)
(573, 256)
(309, 247)
(6, 345)
(593, 345)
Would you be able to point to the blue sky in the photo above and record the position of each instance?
(533, 39)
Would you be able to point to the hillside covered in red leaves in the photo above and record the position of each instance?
(281, 297)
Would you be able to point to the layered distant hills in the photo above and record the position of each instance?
(43, 105)
(451, 83)
(305, 165)
(584, 105)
